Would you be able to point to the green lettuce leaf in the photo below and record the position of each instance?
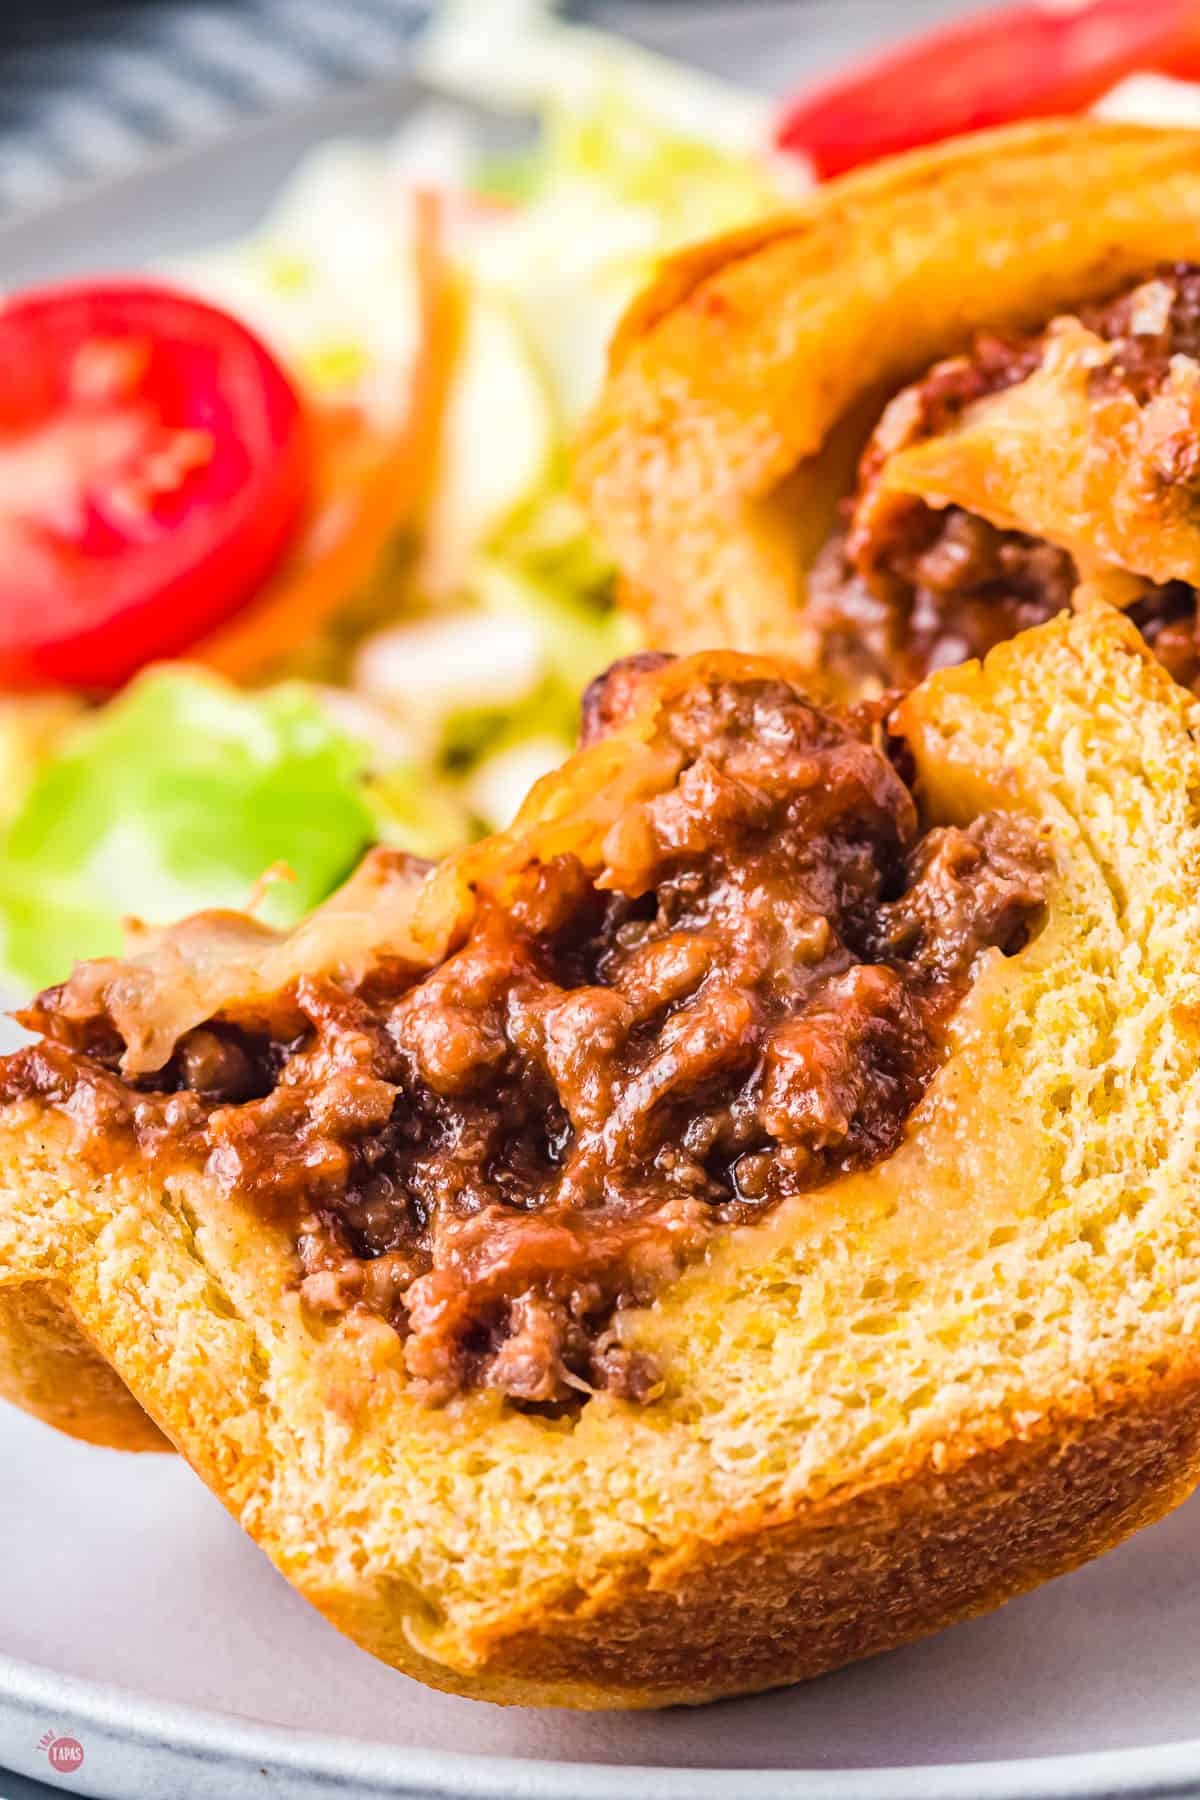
(174, 797)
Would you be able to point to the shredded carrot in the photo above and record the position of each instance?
(273, 873)
(370, 485)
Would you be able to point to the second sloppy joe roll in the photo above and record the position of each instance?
(901, 426)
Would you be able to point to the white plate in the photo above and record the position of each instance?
(136, 1619)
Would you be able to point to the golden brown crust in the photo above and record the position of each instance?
(804, 1590)
(49, 1368)
(804, 1595)
(905, 1398)
(742, 385)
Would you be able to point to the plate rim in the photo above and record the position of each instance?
(229, 1745)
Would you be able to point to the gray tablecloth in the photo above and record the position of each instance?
(88, 90)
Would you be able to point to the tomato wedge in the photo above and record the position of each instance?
(1022, 62)
(154, 463)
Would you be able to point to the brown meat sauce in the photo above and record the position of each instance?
(503, 1154)
(901, 589)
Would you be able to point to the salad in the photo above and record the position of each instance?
(291, 560)
(291, 563)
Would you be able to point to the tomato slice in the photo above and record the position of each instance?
(154, 463)
(1022, 62)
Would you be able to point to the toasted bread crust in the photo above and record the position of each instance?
(49, 1368)
(742, 385)
(851, 1577)
(803, 1590)
(908, 1397)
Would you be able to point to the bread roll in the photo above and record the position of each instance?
(883, 1399)
(721, 457)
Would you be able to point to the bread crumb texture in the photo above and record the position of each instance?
(898, 1400)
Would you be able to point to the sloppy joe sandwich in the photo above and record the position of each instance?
(903, 425)
(772, 1163)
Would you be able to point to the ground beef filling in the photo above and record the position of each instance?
(503, 1155)
(901, 589)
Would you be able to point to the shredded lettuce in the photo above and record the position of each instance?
(177, 796)
(329, 279)
(179, 793)
(497, 443)
(417, 812)
(578, 638)
(609, 191)
(500, 783)
(633, 158)
(516, 56)
(693, 186)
